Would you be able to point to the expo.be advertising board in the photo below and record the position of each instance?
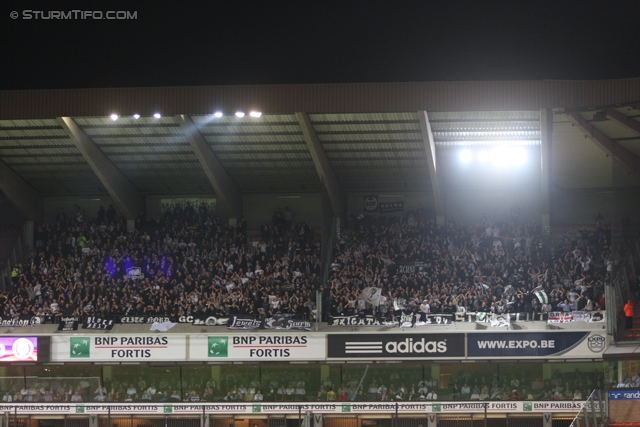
(281, 347)
(536, 344)
(293, 408)
(108, 348)
(395, 346)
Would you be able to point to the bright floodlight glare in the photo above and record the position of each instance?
(136, 116)
(218, 114)
(255, 114)
(157, 115)
(114, 117)
(518, 156)
(465, 156)
(239, 114)
(500, 157)
(483, 156)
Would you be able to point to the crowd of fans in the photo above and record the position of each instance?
(49, 390)
(191, 263)
(487, 267)
(632, 381)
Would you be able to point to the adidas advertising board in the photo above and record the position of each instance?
(536, 344)
(395, 346)
(108, 348)
(264, 347)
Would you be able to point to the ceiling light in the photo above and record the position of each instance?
(465, 156)
(239, 114)
(255, 114)
(218, 114)
(114, 117)
(157, 115)
(136, 116)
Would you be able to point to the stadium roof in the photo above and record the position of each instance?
(371, 136)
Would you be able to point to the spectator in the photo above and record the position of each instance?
(628, 312)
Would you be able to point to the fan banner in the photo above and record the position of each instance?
(68, 323)
(276, 322)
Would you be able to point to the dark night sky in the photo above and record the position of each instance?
(237, 42)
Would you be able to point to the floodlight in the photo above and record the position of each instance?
(157, 115)
(500, 157)
(255, 114)
(465, 156)
(483, 156)
(239, 114)
(114, 117)
(519, 156)
(136, 116)
(218, 114)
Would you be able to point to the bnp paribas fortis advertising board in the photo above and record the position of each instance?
(115, 348)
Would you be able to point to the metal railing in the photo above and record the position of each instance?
(594, 413)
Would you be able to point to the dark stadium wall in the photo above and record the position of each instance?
(10, 217)
(89, 205)
(591, 183)
(261, 207)
(469, 206)
(153, 204)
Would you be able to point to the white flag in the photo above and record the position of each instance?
(371, 295)
(399, 304)
(162, 326)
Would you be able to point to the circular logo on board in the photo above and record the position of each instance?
(370, 203)
(22, 348)
(596, 343)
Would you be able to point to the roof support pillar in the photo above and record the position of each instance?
(127, 198)
(224, 186)
(323, 167)
(24, 197)
(624, 157)
(546, 129)
(430, 149)
(625, 121)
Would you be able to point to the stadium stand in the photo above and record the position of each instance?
(488, 267)
(497, 228)
(191, 265)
